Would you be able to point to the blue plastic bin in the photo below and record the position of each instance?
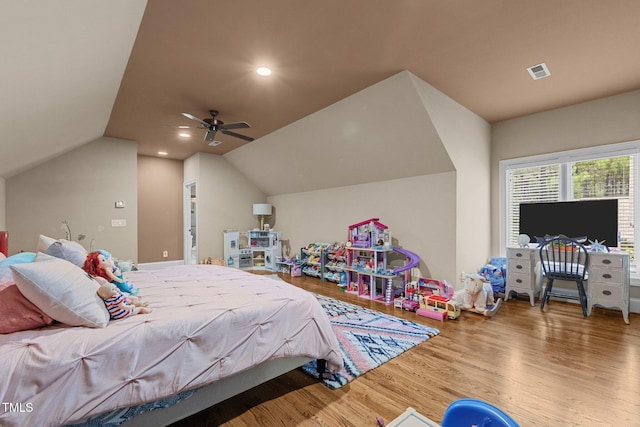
(474, 412)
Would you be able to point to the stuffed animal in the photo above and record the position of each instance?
(100, 264)
(477, 294)
(118, 305)
(493, 275)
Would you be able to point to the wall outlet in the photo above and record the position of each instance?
(165, 254)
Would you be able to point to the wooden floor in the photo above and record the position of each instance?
(552, 368)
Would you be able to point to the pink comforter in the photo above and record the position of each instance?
(208, 322)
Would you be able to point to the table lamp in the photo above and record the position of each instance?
(261, 210)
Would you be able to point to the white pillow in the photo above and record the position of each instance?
(73, 252)
(43, 243)
(62, 291)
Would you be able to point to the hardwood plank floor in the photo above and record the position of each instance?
(552, 368)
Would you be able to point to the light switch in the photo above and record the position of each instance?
(118, 222)
(119, 204)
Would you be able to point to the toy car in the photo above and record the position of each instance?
(410, 305)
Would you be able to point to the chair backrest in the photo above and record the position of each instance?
(564, 258)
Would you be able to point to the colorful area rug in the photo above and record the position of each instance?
(367, 339)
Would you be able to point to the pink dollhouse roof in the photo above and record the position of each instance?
(375, 222)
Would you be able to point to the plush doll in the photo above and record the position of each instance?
(100, 264)
(118, 305)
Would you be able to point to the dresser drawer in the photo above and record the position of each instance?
(606, 275)
(607, 292)
(519, 265)
(519, 280)
(518, 253)
(603, 260)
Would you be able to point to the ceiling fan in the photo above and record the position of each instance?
(213, 125)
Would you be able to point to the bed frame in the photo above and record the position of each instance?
(213, 393)
(217, 392)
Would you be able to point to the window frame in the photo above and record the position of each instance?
(563, 158)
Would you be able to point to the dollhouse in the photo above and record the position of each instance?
(369, 233)
(368, 272)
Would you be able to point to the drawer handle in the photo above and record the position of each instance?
(519, 255)
(607, 276)
(519, 267)
(606, 292)
(518, 280)
(606, 261)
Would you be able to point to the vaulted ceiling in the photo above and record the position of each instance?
(76, 70)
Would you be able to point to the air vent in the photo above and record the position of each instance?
(539, 71)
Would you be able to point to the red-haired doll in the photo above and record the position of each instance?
(100, 264)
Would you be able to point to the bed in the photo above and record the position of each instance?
(212, 329)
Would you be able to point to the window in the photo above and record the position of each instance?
(587, 174)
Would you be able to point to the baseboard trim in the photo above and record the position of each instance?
(159, 264)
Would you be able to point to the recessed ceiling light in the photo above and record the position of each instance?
(263, 71)
(162, 153)
(184, 135)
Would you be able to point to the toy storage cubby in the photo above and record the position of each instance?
(334, 268)
(312, 258)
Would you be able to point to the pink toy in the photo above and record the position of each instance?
(438, 315)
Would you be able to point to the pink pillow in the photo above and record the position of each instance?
(18, 313)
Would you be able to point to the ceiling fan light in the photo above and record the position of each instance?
(263, 71)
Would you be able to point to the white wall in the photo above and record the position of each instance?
(466, 138)
(79, 187)
(399, 150)
(419, 211)
(380, 133)
(604, 121)
(225, 200)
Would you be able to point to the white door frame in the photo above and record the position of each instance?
(186, 221)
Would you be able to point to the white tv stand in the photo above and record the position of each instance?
(607, 284)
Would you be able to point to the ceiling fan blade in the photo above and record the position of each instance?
(237, 135)
(211, 133)
(236, 125)
(194, 118)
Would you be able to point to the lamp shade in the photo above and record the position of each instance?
(261, 209)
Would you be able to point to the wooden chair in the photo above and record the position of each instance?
(563, 258)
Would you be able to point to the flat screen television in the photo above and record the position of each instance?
(593, 219)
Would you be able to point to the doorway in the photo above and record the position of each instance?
(190, 224)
